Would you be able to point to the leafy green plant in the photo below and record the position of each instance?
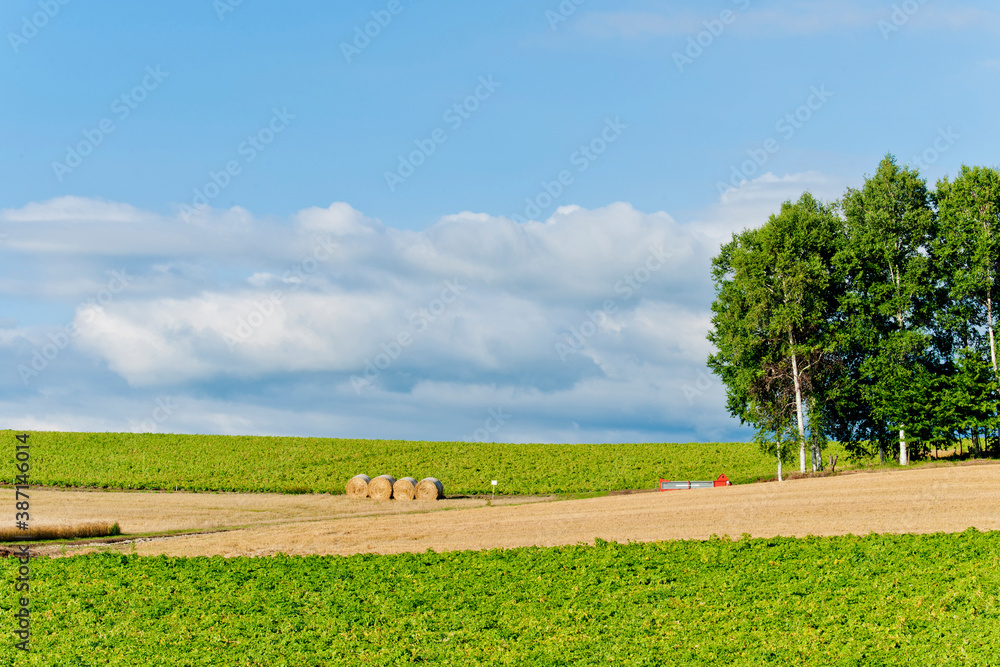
(879, 599)
(323, 465)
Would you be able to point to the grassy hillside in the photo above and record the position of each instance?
(246, 463)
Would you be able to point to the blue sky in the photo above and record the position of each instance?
(527, 194)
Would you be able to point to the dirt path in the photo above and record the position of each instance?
(145, 512)
(948, 499)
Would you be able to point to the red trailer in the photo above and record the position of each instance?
(667, 485)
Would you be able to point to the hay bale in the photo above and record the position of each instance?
(357, 486)
(380, 488)
(404, 488)
(429, 488)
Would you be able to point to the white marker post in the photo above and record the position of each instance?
(494, 484)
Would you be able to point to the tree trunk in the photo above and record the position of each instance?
(992, 443)
(780, 477)
(817, 455)
(881, 453)
(989, 326)
(904, 458)
(798, 405)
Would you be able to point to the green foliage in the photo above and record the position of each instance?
(889, 225)
(875, 600)
(967, 260)
(295, 465)
(890, 312)
(775, 293)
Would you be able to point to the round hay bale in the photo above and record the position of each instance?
(380, 488)
(429, 488)
(357, 486)
(404, 488)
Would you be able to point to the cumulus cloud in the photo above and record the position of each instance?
(589, 325)
(750, 204)
(75, 209)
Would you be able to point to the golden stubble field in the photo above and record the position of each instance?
(922, 500)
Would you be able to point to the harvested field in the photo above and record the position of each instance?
(922, 500)
(160, 511)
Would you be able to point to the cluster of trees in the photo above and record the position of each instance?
(869, 320)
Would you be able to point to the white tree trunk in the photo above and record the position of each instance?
(903, 458)
(798, 407)
(780, 477)
(989, 324)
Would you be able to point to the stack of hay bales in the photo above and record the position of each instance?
(385, 487)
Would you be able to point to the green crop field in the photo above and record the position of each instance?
(248, 463)
(875, 600)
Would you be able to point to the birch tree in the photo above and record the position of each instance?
(967, 252)
(889, 224)
(775, 293)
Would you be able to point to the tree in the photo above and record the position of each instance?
(775, 295)
(967, 255)
(889, 225)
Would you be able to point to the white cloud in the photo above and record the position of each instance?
(515, 287)
(754, 201)
(589, 325)
(75, 209)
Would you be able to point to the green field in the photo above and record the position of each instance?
(249, 463)
(875, 600)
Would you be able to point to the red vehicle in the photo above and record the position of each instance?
(667, 485)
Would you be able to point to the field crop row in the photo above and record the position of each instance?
(250, 463)
(875, 600)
